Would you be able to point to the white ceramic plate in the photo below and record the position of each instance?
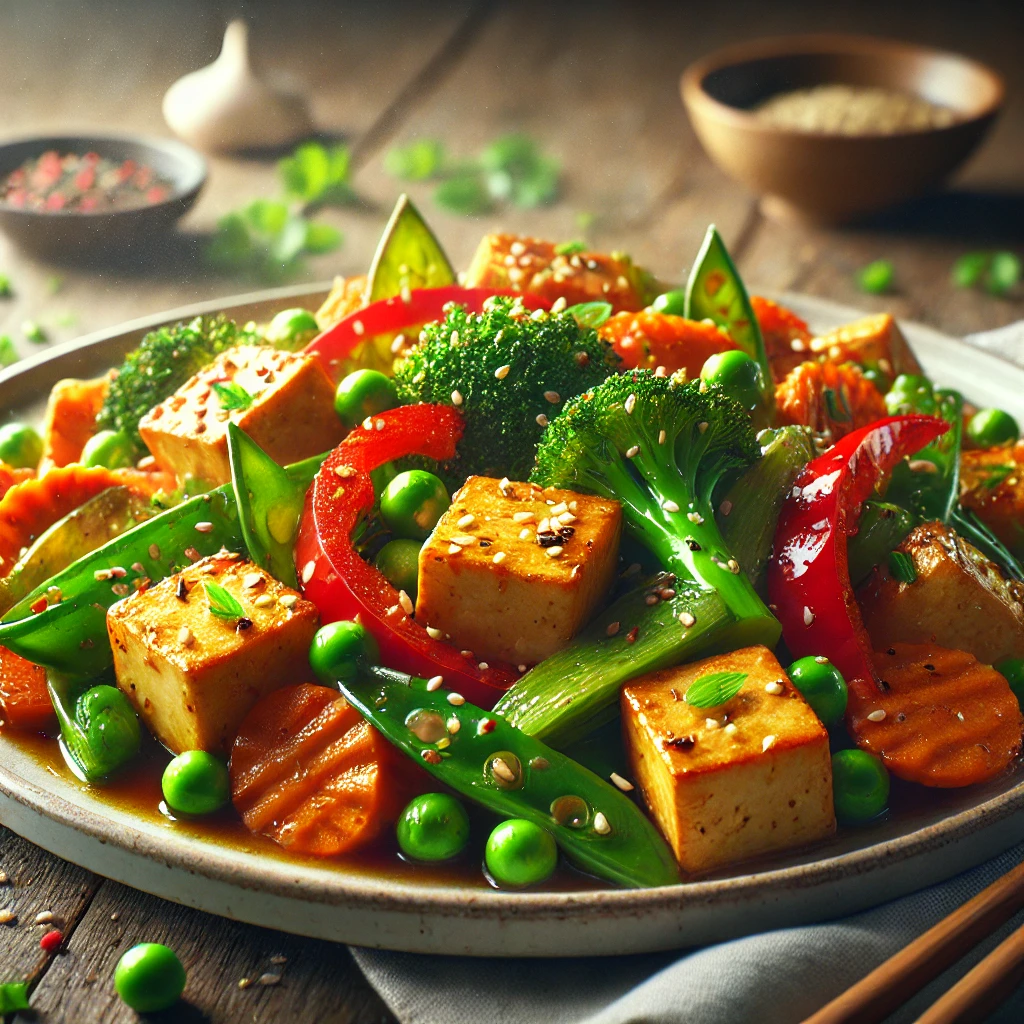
(916, 845)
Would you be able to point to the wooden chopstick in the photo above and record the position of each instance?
(892, 983)
(983, 987)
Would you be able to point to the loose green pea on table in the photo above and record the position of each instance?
(149, 977)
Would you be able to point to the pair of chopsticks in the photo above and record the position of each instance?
(972, 998)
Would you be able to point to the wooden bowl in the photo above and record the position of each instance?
(830, 178)
(65, 235)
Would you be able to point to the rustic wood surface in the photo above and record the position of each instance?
(597, 86)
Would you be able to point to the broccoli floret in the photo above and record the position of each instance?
(659, 447)
(508, 371)
(165, 360)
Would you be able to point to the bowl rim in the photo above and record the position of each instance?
(192, 175)
(697, 98)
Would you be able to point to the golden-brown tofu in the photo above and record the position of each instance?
(512, 571)
(291, 415)
(192, 675)
(749, 777)
(874, 340)
(959, 599)
(532, 265)
(992, 485)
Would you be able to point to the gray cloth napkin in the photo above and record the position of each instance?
(775, 978)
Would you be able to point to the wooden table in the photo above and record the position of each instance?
(597, 85)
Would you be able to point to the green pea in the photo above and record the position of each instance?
(877, 277)
(520, 853)
(399, 561)
(1012, 669)
(673, 302)
(412, 503)
(911, 393)
(364, 393)
(292, 329)
(860, 785)
(196, 782)
(881, 380)
(991, 427)
(339, 649)
(738, 374)
(110, 448)
(20, 445)
(149, 978)
(822, 686)
(433, 827)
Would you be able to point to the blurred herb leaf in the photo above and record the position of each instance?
(1003, 273)
(877, 277)
(6, 291)
(420, 160)
(8, 353)
(570, 248)
(316, 175)
(968, 269)
(518, 172)
(465, 194)
(34, 332)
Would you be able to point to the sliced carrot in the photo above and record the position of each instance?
(308, 772)
(944, 719)
(146, 482)
(833, 400)
(786, 336)
(70, 420)
(11, 475)
(24, 701)
(647, 340)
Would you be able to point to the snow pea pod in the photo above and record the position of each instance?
(485, 759)
(881, 529)
(715, 290)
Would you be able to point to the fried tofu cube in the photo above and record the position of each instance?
(283, 400)
(959, 599)
(726, 783)
(992, 485)
(533, 265)
(874, 340)
(512, 571)
(194, 675)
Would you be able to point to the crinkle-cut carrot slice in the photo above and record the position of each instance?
(24, 701)
(11, 475)
(70, 421)
(308, 772)
(647, 340)
(786, 336)
(943, 719)
(833, 400)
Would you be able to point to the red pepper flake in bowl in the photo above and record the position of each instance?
(83, 184)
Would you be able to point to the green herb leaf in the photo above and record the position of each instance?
(464, 194)
(1003, 273)
(570, 248)
(232, 396)
(6, 291)
(223, 604)
(8, 353)
(993, 476)
(54, 284)
(968, 269)
(877, 278)
(420, 160)
(714, 689)
(34, 332)
(321, 237)
(518, 172)
(901, 567)
(838, 409)
(13, 997)
(317, 175)
(591, 314)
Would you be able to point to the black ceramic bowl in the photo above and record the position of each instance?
(67, 234)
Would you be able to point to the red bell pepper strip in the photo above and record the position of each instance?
(343, 586)
(808, 578)
(389, 316)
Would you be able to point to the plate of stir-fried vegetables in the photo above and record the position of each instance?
(544, 598)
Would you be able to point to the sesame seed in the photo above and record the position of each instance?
(454, 549)
(670, 506)
(138, 567)
(726, 507)
(307, 571)
(566, 518)
(517, 248)
(877, 716)
(687, 619)
(525, 534)
(456, 398)
(960, 715)
(456, 698)
(544, 526)
(357, 327)
(612, 628)
(263, 601)
(774, 688)
(666, 593)
(821, 659)
(7, 916)
(466, 521)
(808, 616)
(695, 517)
(368, 423)
(553, 397)
(730, 729)
(624, 784)
(185, 637)
(435, 683)
(431, 756)
(345, 472)
(922, 466)
(702, 426)
(734, 566)
(499, 557)
(661, 371)
(502, 371)
(483, 666)
(100, 575)
(251, 579)
(632, 453)
(559, 304)
(3, 878)
(464, 540)
(542, 420)
(453, 725)
(601, 826)
(629, 405)
(269, 979)
(554, 551)
(500, 770)
(406, 602)
(650, 600)
(557, 510)
(43, 917)
(661, 436)
(434, 633)
(504, 485)
(523, 517)
(154, 551)
(288, 600)
(767, 743)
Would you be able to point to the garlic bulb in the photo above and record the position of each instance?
(226, 106)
